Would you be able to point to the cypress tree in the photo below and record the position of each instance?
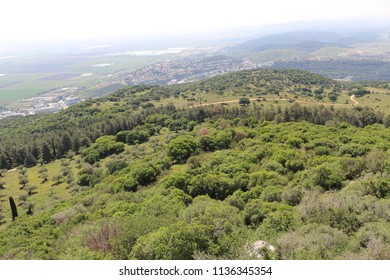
(35, 151)
(14, 210)
(54, 148)
(46, 153)
(30, 160)
(65, 144)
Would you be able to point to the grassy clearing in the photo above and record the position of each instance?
(378, 99)
(47, 194)
(285, 98)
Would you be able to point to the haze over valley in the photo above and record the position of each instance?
(48, 77)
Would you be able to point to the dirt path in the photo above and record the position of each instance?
(272, 99)
(353, 99)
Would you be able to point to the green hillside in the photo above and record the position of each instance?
(152, 172)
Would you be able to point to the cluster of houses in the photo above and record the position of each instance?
(187, 69)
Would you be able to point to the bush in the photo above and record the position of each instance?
(91, 156)
(295, 165)
(244, 101)
(217, 186)
(137, 136)
(181, 148)
(115, 165)
(84, 180)
(328, 176)
(103, 147)
(207, 143)
(145, 174)
(126, 183)
(178, 180)
(122, 135)
(176, 242)
(355, 150)
(312, 242)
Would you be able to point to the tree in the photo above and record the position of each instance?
(69, 178)
(29, 208)
(84, 180)
(333, 97)
(85, 142)
(76, 143)
(35, 151)
(126, 183)
(53, 146)
(217, 186)
(30, 190)
(14, 210)
(66, 144)
(57, 180)
(115, 165)
(46, 153)
(91, 155)
(4, 162)
(43, 174)
(21, 155)
(29, 160)
(207, 143)
(23, 180)
(144, 174)
(244, 101)
(137, 136)
(121, 136)
(328, 176)
(181, 148)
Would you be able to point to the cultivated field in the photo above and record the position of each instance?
(29, 77)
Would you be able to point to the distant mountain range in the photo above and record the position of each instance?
(307, 41)
(351, 53)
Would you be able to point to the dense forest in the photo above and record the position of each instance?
(124, 177)
(358, 70)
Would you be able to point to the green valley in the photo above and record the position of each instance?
(260, 164)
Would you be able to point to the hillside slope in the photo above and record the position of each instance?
(131, 176)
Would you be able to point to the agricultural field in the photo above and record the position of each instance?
(27, 77)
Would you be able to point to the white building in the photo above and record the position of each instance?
(49, 108)
(71, 100)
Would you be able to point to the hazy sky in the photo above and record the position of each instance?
(64, 19)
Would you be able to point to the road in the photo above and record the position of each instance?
(353, 99)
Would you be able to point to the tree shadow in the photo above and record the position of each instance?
(56, 183)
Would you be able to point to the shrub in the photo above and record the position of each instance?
(84, 180)
(176, 242)
(126, 183)
(312, 242)
(145, 174)
(181, 148)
